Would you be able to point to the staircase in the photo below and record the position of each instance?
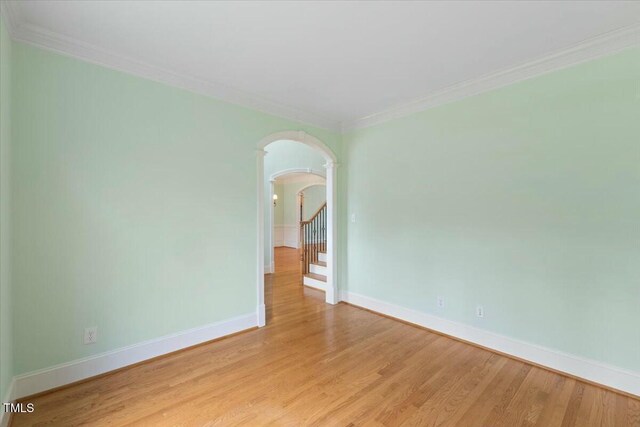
(317, 275)
(313, 247)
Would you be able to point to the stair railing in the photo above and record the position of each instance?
(313, 238)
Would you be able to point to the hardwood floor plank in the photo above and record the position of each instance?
(324, 365)
(575, 403)
(553, 412)
(478, 409)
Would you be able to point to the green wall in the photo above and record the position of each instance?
(287, 209)
(314, 197)
(290, 203)
(525, 199)
(6, 340)
(134, 207)
(278, 210)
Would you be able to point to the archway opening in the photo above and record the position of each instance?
(316, 159)
(298, 202)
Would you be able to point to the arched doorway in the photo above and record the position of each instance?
(317, 177)
(331, 183)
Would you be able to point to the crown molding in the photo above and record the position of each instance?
(12, 16)
(21, 31)
(593, 48)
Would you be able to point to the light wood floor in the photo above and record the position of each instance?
(317, 364)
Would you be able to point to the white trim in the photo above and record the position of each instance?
(331, 293)
(313, 283)
(311, 171)
(80, 369)
(286, 235)
(272, 227)
(332, 190)
(25, 32)
(291, 236)
(592, 48)
(590, 370)
(278, 237)
(269, 269)
(299, 136)
(12, 16)
(261, 318)
(8, 397)
(262, 315)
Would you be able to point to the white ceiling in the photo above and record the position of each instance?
(329, 63)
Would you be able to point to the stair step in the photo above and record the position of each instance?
(314, 276)
(317, 281)
(317, 268)
(322, 256)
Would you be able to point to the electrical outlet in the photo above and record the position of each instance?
(440, 302)
(90, 335)
(353, 217)
(480, 311)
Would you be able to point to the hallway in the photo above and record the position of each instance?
(318, 364)
(284, 294)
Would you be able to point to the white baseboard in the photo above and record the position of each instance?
(278, 236)
(580, 367)
(261, 315)
(80, 369)
(292, 246)
(286, 235)
(8, 397)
